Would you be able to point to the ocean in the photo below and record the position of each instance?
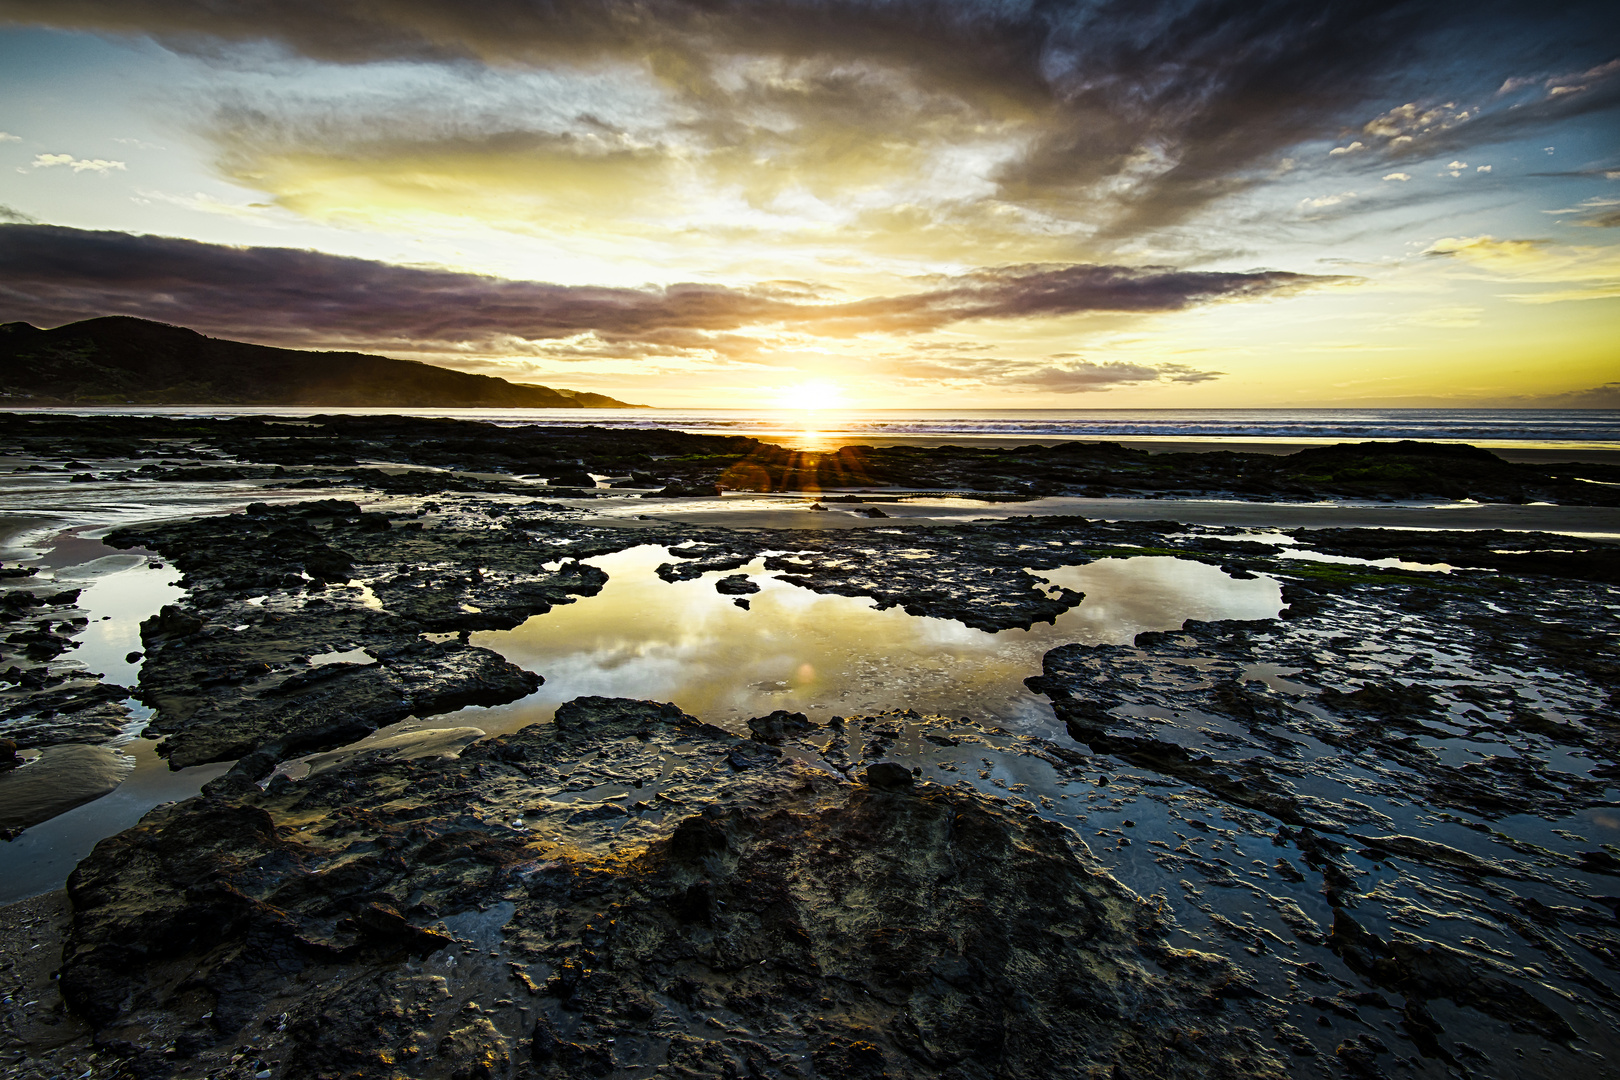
(1567, 428)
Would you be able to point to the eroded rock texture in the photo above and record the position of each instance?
(628, 892)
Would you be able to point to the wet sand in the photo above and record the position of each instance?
(38, 1036)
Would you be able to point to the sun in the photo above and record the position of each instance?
(812, 396)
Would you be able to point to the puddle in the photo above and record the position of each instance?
(347, 656)
(1307, 555)
(42, 857)
(119, 593)
(824, 655)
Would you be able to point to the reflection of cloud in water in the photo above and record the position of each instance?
(644, 637)
(118, 593)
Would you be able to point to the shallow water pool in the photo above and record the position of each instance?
(794, 649)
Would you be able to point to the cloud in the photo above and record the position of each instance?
(6, 136)
(1597, 213)
(1403, 177)
(12, 216)
(1606, 396)
(1326, 200)
(1417, 129)
(1063, 374)
(305, 298)
(204, 203)
(1582, 273)
(1104, 119)
(99, 165)
(1454, 317)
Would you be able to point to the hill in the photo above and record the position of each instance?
(122, 360)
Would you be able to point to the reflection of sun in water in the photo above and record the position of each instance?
(811, 396)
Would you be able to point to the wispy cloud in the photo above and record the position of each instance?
(97, 165)
(1571, 272)
(1054, 375)
(1597, 213)
(204, 203)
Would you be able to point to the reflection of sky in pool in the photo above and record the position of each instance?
(643, 637)
(119, 592)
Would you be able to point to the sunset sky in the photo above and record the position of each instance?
(1010, 203)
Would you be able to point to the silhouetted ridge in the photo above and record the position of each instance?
(119, 359)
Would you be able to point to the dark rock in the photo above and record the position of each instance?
(689, 491)
(887, 775)
(736, 585)
(170, 622)
(1425, 970)
(780, 725)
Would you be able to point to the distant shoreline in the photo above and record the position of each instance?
(1531, 453)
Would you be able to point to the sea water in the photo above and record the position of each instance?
(1596, 428)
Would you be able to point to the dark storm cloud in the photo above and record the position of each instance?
(284, 296)
(1184, 101)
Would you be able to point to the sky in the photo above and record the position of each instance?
(874, 203)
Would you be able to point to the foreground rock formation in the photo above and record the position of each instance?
(628, 891)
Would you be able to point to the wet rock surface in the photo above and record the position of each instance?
(1416, 773)
(1509, 552)
(228, 672)
(46, 697)
(321, 450)
(1378, 835)
(611, 894)
(39, 1036)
